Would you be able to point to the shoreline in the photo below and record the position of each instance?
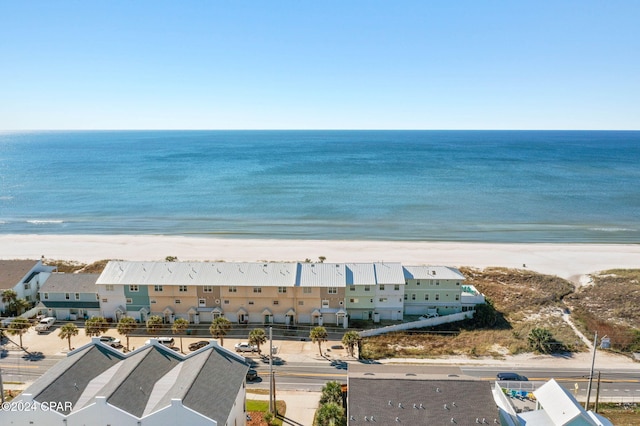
(566, 260)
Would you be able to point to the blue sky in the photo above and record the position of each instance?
(319, 64)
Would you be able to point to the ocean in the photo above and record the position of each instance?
(486, 186)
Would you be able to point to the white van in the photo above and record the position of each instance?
(45, 324)
(167, 341)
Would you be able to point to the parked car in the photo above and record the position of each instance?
(252, 375)
(45, 324)
(245, 347)
(511, 377)
(111, 341)
(167, 341)
(197, 345)
(427, 316)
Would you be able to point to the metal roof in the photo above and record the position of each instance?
(432, 273)
(199, 273)
(322, 275)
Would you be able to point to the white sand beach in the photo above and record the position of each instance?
(565, 260)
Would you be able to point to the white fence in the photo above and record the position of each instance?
(418, 324)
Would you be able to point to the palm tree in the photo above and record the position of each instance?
(319, 335)
(20, 305)
(179, 327)
(257, 337)
(540, 340)
(9, 297)
(19, 326)
(67, 331)
(331, 392)
(95, 326)
(219, 328)
(126, 326)
(350, 340)
(330, 414)
(154, 324)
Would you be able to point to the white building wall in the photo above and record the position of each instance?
(177, 414)
(238, 415)
(115, 298)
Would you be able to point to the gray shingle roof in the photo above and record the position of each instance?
(419, 397)
(70, 283)
(13, 271)
(146, 380)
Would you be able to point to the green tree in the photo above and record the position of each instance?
(20, 306)
(179, 327)
(95, 326)
(350, 340)
(330, 414)
(331, 392)
(154, 324)
(220, 327)
(67, 331)
(540, 340)
(126, 326)
(9, 297)
(319, 335)
(257, 337)
(19, 326)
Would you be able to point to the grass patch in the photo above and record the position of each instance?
(621, 414)
(257, 408)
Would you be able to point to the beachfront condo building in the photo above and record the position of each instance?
(286, 293)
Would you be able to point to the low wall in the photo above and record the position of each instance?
(418, 324)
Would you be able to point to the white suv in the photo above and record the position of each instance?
(245, 347)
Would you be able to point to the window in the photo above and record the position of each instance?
(45, 296)
(105, 300)
(381, 287)
(325, 303)
(417, 282)
(27, 286)
(67, 296)
(457, 283)
(97, 296)
(177, 301)
(182, 288)
(202, 302)
(27, 298)
(300, 302)
(152, 301)
(226, 302)
(282, 289)
(437, 297)
(306, 290)
(77, 296)
(437, 282)
(383, 299)
(233, 289)
(396, 287)
(413, 297)
(457, 297)
(207, 289)
(157, 288)
(108, 287)
(352, 288)
(134, 288)
(367, 288)
(129, 300)
(406, 296)
(353, 300)
(426, 296)
(257, 289)
(333, 290)
(275, 302)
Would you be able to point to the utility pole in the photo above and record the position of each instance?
(270, 370)
(597, 393)
(593, 361)
(1, 388)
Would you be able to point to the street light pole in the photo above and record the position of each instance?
(593, 361)
(270, 370)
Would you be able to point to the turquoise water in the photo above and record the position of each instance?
(494, 186)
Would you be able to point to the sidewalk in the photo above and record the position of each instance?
(301, 406)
